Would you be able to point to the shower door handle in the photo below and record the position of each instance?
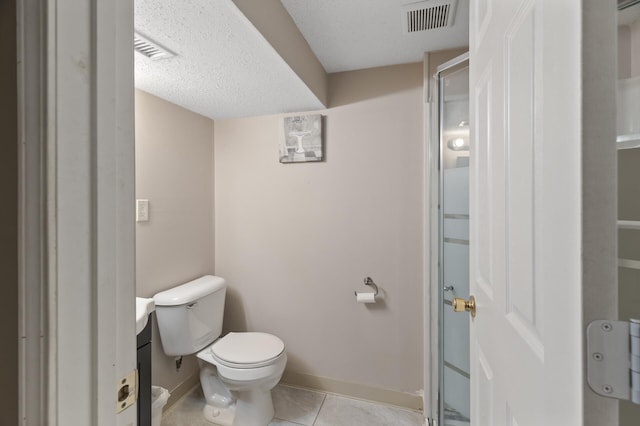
(461, 305)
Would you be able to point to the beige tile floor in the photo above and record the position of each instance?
(303, 407)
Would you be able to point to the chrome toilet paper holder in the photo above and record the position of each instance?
(368, 281)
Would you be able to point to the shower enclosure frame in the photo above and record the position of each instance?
(436, 248)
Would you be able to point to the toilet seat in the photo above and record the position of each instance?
(247, 350)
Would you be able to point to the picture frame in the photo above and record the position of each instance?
(301, 139)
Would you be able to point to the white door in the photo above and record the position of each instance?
(526, 212)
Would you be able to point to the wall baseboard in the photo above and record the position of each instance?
(323, 384)
(182, 389)
(355, 390)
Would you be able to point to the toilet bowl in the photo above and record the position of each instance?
(237, 371)
(248, 365)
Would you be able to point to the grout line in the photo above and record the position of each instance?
(287, 385)
(288, 421)
(179, 404)
(370, 401)
(324, 398)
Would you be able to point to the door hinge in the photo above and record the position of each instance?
(613, 359)
(126, 391)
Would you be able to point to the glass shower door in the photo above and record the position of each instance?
(453, 97)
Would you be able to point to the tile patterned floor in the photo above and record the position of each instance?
(303, 407)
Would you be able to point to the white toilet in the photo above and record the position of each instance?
(238, 371)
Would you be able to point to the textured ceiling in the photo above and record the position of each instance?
(224, 67)
(355, 34)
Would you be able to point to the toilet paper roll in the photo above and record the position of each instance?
(365, 297)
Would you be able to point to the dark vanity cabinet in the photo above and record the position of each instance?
(144, 374)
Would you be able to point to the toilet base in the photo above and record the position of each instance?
(252, 408)
(220, 416)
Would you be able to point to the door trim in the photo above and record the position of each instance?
(76, 242)
(599, 186)
(32, 300)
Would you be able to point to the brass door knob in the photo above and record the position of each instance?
(461, 305)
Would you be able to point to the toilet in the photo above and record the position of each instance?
(237, 371)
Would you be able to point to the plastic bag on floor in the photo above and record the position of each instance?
(159, 398)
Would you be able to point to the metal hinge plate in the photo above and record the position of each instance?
(127, 391)
(613, 359)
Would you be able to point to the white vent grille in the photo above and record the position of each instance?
(428, 15)
(149, 48)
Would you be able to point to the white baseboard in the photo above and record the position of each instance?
(183, 388)
(323, 384)
(354, 390)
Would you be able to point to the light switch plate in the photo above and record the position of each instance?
(142, 210)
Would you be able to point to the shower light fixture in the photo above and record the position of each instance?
(458, 144)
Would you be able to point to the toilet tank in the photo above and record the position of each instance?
(190, 315)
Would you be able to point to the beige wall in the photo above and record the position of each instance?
(174, 171)
(628, 48)
(634, 45)
(294, 241)
(624, 47)
(9, 214)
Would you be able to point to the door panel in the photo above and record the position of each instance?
(482, 155)
(525, 214)
(520, 182)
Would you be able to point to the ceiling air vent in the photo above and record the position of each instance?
(428, 15)
(150, 48)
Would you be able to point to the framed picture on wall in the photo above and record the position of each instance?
(301, 139)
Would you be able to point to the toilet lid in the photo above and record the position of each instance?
(247, 348)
